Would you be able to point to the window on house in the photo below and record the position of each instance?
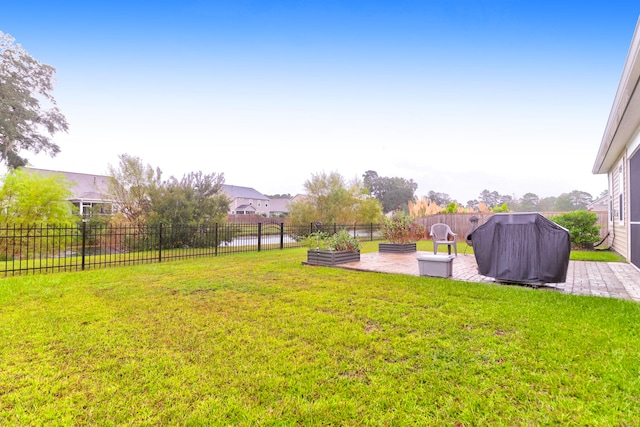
(620, 208)
(610, 209)
(620, 194)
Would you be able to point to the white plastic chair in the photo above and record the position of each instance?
(440, 233)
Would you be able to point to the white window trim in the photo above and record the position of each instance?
(621, 187)
(611, 206)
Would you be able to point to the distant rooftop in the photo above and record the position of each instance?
(243, 192)
(84, 186)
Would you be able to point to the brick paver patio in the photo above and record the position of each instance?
(605, 279)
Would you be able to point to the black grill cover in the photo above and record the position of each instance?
(522, 248)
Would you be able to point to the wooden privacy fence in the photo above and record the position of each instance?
(461, 224)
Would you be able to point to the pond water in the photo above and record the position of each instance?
(253, 241)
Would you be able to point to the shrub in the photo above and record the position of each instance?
(401, 228)
(451, 208)
(343, 241)
(582, 226)
(503, 208)
(316, 240)
(340, 241)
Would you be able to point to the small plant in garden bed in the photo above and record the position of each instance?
(333, 249)
(340, 241)
(343, 241)
(401, 228)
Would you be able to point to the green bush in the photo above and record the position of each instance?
(582, 226)
(340, 241)
(401, 228)
(316, 240)
(343, 241)
(503, 208)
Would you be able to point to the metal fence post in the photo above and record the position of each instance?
(215, 239)
(84, 241)
(259, 236)
(160, 243)
(282, 235)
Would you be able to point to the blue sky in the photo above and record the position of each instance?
(460, 96)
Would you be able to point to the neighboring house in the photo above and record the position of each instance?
(601, 204)
(298, 197)
(246, 200)
(279, 207)
(87, 191)
(619, 158)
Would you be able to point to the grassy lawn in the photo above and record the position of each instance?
(260, 339)
(597, 255)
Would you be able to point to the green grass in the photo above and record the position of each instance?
(597, 255)
(260, 339)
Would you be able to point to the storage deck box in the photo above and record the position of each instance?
(436, 265)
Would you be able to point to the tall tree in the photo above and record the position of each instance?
(25, 123)
(29, 198)
(440, 199)
(529, 202)
(195, 199)
(490, 198)
(573, 201)
(392, 192)
(330, 199)
(472, 204)
(505, 199)
(33, 203)
(547, 204)
(130, 185)
(399, 191)
(373, 182)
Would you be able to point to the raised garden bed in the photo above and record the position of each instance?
(329, 257)
(397, 248)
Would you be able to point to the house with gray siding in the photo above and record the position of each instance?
(279, 207)
(619, 158)
(87, 190)
(246, 201)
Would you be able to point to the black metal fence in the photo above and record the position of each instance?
(47, 249)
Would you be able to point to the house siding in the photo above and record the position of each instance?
(617, 153)
(242, 196)
(260, 205)
(619, 238)
(87, 190)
